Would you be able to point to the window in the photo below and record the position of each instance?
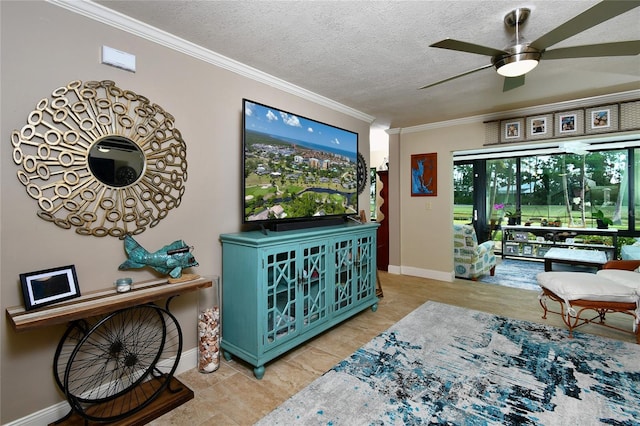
(569, 188)
(463, 193)
(634, 188)
(502, 192)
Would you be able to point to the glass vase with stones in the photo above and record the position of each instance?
(209, 316)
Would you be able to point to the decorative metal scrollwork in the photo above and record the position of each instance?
(101, 159)
(363, 173)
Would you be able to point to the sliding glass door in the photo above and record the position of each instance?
(634, 189)
(469, 202)
(570, 189)
(463, 193)
(502, 191)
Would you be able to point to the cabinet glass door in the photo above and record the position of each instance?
(363, 265)
(344, 260)
(313, 294)
(281, 291)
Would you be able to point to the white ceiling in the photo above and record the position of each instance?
(373, 56)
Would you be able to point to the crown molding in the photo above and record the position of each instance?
(125, 23)
(631, 95)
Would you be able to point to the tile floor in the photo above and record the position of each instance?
(232, 396)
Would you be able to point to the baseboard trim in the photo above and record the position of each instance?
(393, 269)
(188, 360)
(427, 273)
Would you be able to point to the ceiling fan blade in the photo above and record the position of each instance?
(621, 48)
(601, 12)
(456, 76)
(513, 83)
(463, 46)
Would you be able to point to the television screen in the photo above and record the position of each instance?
(295, 168)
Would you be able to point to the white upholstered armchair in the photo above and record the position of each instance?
(470, 259)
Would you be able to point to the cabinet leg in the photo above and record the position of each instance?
(374, 307)
(259, 372)
(226, 355)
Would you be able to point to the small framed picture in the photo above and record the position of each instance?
(42, 288)
(512, 130)
(600, 118)
(424, 175)
(527, 250)
(542, 251)
(511, 249)
(521, 236)
(538, 126)
(567, 123)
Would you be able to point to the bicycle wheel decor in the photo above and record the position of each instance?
(74, 333)
(122, 363)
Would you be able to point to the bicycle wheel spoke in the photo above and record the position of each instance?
(70, 339)
(123, 362)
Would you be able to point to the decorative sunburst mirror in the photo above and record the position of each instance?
(363, 173)
(101, 159)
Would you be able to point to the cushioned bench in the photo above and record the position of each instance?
(610, 290)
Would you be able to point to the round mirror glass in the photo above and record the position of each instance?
(116, 161)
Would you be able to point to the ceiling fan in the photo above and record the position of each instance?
(516, 60)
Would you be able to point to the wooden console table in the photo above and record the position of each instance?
(137, 343)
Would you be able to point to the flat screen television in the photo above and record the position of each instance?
(298, 172)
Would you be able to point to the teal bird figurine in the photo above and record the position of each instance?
(169, 260)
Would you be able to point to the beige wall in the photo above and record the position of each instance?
(425, 222)
(421, 237)
(45, 47)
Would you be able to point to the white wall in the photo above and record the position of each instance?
(379, 150)
(378, 156)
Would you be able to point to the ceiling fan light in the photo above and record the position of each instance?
(515, 69)
(517, 64)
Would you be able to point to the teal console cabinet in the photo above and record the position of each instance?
(282, 288)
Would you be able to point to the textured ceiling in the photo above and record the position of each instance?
(374, 55)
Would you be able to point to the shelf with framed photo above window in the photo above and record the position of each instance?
(512, 130)
(609, 118)
(569, 123)
(602, 119)
(539, 126)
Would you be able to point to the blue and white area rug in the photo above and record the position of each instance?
(515, 273)
(447, 365)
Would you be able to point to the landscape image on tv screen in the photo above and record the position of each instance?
(296, 168)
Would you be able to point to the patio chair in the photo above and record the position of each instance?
(470, 259)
